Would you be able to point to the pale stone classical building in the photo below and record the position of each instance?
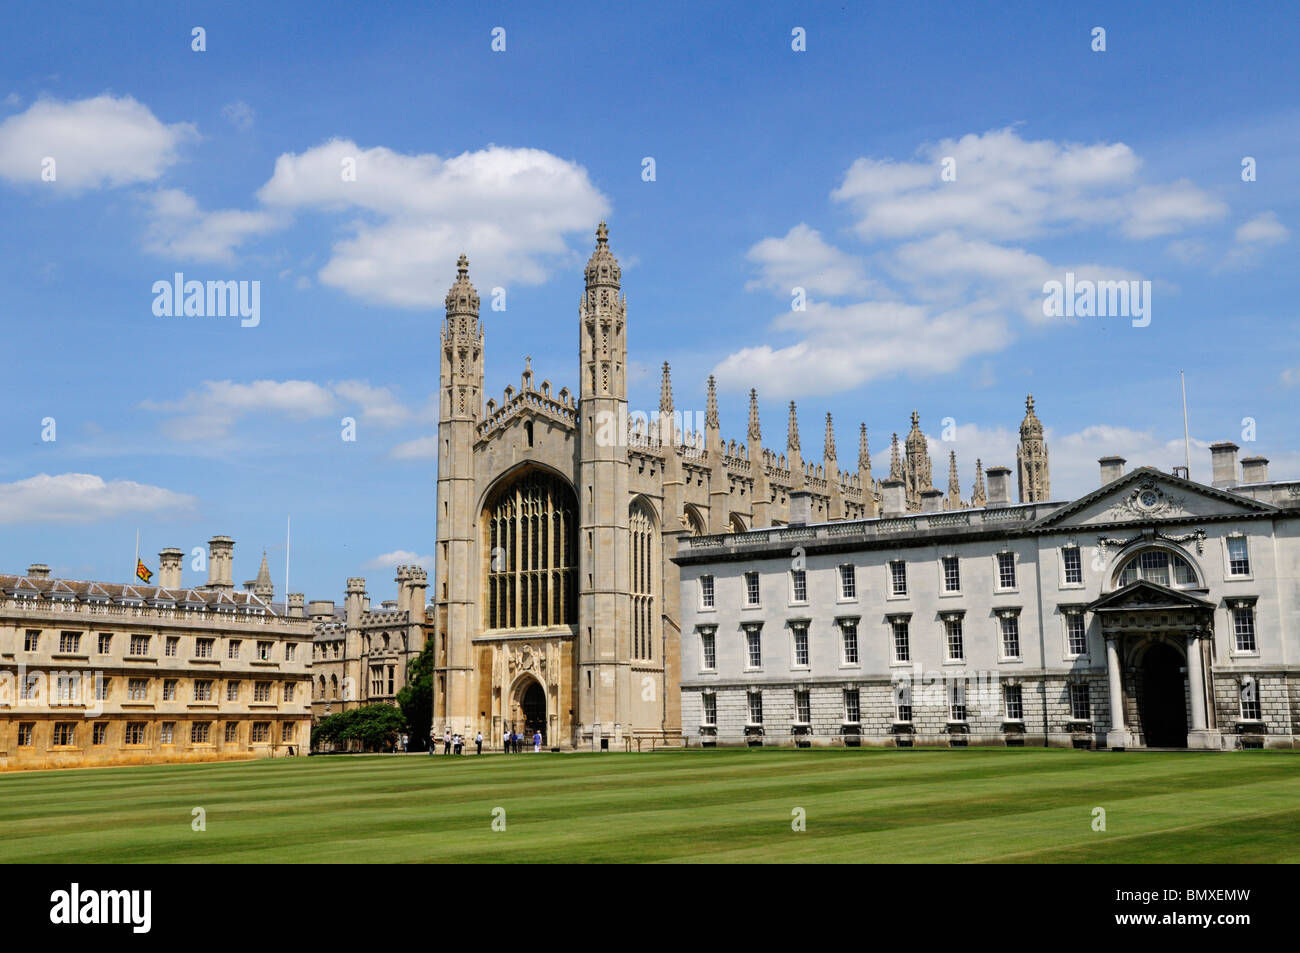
(1154, 611)
(359, 654)
(113, 673)
(555, 602)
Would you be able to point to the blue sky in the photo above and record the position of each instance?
(773, 169)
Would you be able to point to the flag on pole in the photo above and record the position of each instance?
(142, 571)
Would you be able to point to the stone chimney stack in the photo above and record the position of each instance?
(221, 554)
(38, 571)
(1223, 458)
(1254, 469)
(355, 601)
(169, 568)
(800, 507)
(418, 584)
(893, 497)
(931, 500)
(999, 480)
(320, 610)
(403, 577)
(296, 605)
(1112, 468)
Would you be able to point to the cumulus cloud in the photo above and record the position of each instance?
(99, 142)
(950, 276)
(239, 114)
(509, 209)
(421, 448)
(400, 557)
(83, 498)
(179, 229)
(213, 410)
(1263, 229)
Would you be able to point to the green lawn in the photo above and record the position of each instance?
(730, 805)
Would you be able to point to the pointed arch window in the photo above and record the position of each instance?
(529, 527)
(643, 554)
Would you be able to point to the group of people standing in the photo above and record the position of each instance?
(453, 744)
(512, 742)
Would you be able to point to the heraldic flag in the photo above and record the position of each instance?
(142, 571)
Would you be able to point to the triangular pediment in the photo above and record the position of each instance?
(1148, 595)
(1147, 495)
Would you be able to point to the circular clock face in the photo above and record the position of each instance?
(1148, 498)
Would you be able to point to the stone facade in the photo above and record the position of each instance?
(1170, 602)
(107, 673)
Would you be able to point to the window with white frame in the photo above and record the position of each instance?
(1238, 556)
(1012, 703)
(706, 592)
(99, 734)
(951, 574)
(1249, 699)
(952, 631)
(69, 642)
(134, 734)
(754, 646)
(849, 641)
(139, 645)
(957, 701)
(798, 585)
(25, 730)
(902, 702)
(1006, 570)
(105, 643)
(169, 689)
(751, 588)
(1080, 702)
(1158, 566)
(232, 690)
(262, 691)
(264, 651)
(290, 651)
(289, 688)
(902, 638)
(709, 712)
(708, 649)
(848, 581)
(1010, 635)
(1076, 633)
(898, 577)
(1072, 563)
(261, 732)
(203, 690)
(173, 646)
(203, 648)
(799, 630)
(852, 706)
(166, 732)
(232, 731)
(1243, 628)
(755, 708)
(137, 689)
(232, 650)
(31, 640)
(200, 732)
(64, 733)
(802, 708)
(286, 731)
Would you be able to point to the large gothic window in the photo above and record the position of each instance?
(642, 526)
(530, 530)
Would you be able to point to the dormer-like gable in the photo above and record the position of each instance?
(1146, 495)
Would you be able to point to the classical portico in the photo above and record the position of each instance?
(1148, 630)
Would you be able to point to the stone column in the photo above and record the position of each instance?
(1115, 679)
(1196, 680)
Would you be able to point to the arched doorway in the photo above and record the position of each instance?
(532, 709)
(1164, 700)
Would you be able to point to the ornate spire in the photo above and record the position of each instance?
(602, 267)
(462, 299)
(895, 464)
(666, 392)
(916, 470)
(711, 406)
(755, 432)
(829, 453)
(954, 487)
(1032, 474)
(978, 496)
(864, 455)
(792, 430)
(263, 587)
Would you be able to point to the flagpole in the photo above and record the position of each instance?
(287, 522)
(1187, 440)
(135, 567)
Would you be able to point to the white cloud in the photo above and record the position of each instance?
(421, 448)
(1291, 376)
(1263, 229)
(400, 557)
(13, 99)
(179, 229)
(380, 405)
(104, 141)
(239, 114)
(508, 209)
(82, 498)
(803, 259)
(1155, 210)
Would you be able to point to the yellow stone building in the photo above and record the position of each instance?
(98, 673)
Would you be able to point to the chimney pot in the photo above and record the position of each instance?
(1254, 469)
(893, 498)
(1223, 460)
(931, 500)
(800, 507)
(999, 486)
(1112, 468)
(38, 571)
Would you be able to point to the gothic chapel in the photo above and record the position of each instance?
(555, 597)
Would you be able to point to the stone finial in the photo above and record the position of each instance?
(755, 432)
(462, 299)
(978, 496)
(792, 430)
(895, 461)
(666, 392)
(711, 406)
(864, 455)
(829, 453)
(954, 487)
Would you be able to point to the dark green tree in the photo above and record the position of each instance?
(368, 728)
(416, 697)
